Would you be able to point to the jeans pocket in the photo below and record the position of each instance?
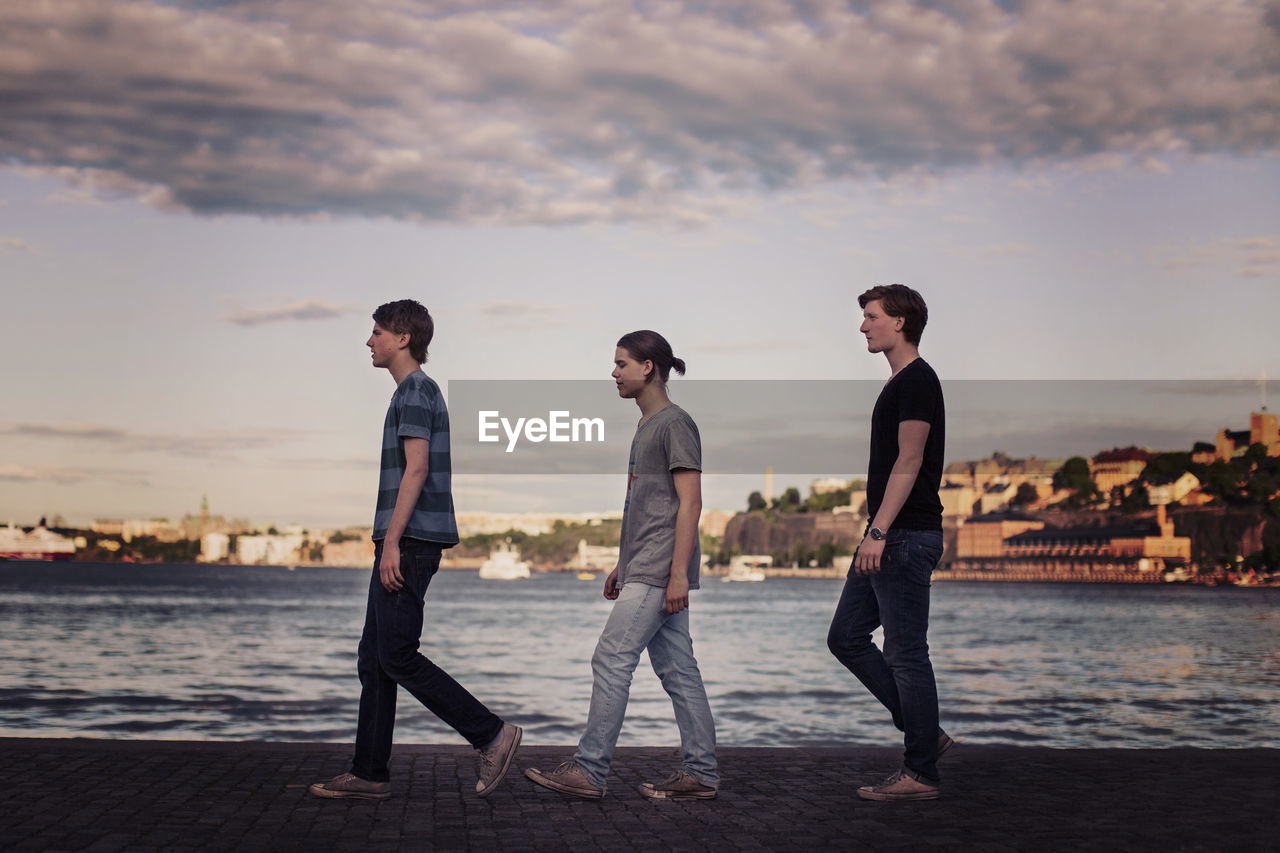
(923, 560)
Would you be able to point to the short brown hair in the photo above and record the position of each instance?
(408, 317)
(900, 301)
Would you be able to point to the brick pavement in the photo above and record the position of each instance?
(154, 795)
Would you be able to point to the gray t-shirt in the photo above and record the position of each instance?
(667, 441)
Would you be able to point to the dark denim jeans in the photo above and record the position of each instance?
(389, 657)
(901, 676)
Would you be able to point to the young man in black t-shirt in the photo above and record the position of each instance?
(888, 583)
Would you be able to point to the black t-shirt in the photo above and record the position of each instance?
(915, 394)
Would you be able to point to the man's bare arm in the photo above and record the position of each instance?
(688, 483)
(912, 436)
(416, 455)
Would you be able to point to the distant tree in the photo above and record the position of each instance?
(790, 501)
(1136, 501)
(1025, 496)
(1262, 485)
(1166, 466)
(756, 501)
(1073, 475)
(1221, 480)
(826, 501)
(1255, 456)
(828, 552)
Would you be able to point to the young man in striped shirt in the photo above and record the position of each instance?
(413, 524)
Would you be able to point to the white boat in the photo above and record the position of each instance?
(749, 568)
(40, 544)
(504, 564)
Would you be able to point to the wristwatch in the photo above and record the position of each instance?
(877, 534)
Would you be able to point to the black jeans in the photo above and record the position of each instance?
(901, 676)
(388, 657)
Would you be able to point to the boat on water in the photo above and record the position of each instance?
(586, 576)
(40, 543)
(748, 568)
(504, 564)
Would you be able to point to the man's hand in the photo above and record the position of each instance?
(867, 561)
(677, 593)
(389, 567)
(611, 585)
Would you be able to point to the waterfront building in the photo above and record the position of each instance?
(596, 557)
(349, 553)
(958, 500)
(270, 550)
(1264, 429)
(1167, 490)
(827, 485)
(158, 528)
(713, 522)
(985, 535)
(1039, 551)
(214, 547)
(532, 523)
(1117, 468)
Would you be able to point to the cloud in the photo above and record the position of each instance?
(14, 244)
(516, 314)
(309, 309)
(212, 444)
(65, 475)
(1251, 257)
(521, 111)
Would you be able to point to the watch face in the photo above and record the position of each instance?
(877, 533)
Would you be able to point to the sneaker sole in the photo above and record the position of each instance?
(655, 794)
(506, 765)
(330, 794)
(868, 794)
(538, 778)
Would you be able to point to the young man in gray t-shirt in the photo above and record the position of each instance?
(657, 566)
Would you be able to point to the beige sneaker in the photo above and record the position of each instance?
(350, 785)
(899, 786)
(679, 786)
(568, 778)
(495, 759)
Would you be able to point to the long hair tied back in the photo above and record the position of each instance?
(646, 345)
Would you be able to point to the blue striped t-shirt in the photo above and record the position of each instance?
(417, 410)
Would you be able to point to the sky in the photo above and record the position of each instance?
(201, 203)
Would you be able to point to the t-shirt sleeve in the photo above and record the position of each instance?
(684, 445)
(919, 398)
(415, 414)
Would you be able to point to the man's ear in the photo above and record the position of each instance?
(402, 340)
(648, 367)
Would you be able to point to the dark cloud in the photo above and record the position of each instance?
(526, 112)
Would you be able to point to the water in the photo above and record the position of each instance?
(262, 653)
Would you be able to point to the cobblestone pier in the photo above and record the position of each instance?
(101, 795)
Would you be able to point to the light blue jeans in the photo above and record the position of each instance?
(639, 620)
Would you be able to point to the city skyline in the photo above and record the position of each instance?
(200, 205)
